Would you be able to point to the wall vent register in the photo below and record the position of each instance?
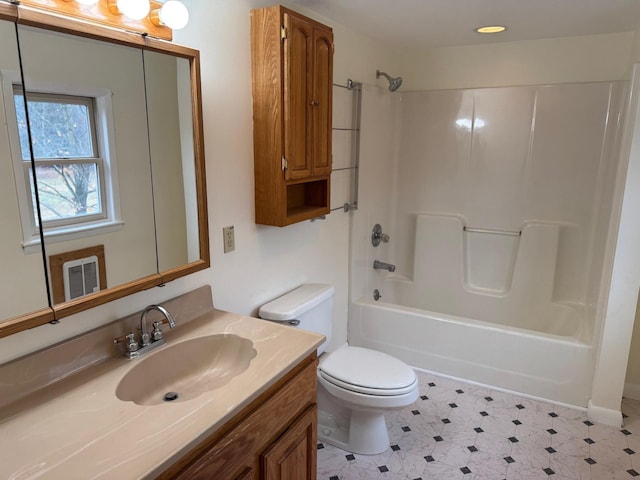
(81, 277)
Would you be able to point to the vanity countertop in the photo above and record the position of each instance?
(77, 428)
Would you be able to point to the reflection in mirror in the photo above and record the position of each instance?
(88, 125)
(22, 284)
(87, 117)
(168, 88)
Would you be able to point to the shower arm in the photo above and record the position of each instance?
(394, 83)
(383, 74)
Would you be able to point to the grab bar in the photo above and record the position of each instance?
(492, 231)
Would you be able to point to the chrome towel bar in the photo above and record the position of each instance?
(493, 231)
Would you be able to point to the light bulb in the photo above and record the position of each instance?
(134, 9)
(87, 2)
(174, 14)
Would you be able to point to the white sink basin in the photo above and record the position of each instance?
(184, 370)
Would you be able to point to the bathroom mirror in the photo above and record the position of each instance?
(22, 286)
(120, 180)
(87, 111)
(169, 103)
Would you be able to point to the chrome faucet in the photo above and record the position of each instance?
(148, 341)
(378, 265)
(145, 337)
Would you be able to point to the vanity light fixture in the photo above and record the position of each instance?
(490, 29)
(133, 9)
(148, 17)
(173, 14)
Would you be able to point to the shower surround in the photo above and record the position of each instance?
(498, 203)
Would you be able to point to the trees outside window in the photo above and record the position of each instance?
(69, 170)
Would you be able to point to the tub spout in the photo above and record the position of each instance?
(378, 265)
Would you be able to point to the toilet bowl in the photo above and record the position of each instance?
(356, 386)
(366, 384)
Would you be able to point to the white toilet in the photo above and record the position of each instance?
(356, 386)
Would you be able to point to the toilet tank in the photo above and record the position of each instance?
(311, 304)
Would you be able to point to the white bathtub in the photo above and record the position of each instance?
(547, 366)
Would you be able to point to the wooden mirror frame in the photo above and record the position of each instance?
(24, 15)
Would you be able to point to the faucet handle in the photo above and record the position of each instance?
(377, 236)
(129, 341)
(157, 332)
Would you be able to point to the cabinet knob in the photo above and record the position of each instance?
(313, 103)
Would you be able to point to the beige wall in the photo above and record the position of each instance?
(535, 62)
(633, 367)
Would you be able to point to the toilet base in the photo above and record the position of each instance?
(357, 431)
(365, 433)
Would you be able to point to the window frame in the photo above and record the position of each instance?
(105, 158)
(96, 159)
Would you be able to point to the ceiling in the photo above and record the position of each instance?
(438, 23)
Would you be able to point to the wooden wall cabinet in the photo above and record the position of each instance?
(273, 438)
(292, 80)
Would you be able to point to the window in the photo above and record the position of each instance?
(69, 172)
(70, 136)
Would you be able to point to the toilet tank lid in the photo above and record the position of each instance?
(293, 304)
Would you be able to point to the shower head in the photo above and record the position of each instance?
(394, 83)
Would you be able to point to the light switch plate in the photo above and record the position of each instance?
(229, 239)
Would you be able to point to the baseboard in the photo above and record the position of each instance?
(632, 391)
(606, 416)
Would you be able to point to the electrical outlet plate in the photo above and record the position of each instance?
(229, 239)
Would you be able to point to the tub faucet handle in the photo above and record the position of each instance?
(377, 236)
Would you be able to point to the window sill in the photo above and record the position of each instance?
(72, 233)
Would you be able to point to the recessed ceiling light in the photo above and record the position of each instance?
(491, 29)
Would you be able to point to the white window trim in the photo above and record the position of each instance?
(106, 144)
(87, 229)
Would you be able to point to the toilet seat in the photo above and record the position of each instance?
(367, 372)
(368, 391)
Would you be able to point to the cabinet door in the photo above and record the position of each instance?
(298, 86)
(293, 455)
(322, 100)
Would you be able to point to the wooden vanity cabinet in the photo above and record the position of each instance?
(292, 80)
(273, 438)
